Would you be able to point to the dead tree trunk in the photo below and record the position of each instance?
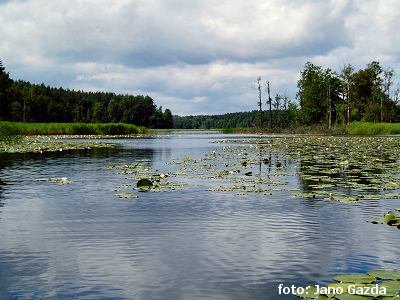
(260, 102)
(270, 106)
(330, 107)
(348, 103)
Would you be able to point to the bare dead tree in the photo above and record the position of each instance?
(285, 108)
(396, 94)
(328, 78)
(346, 75)
(260, 102)
(388, 75)
(395, 99)
(270, 105)
(330, 106)
(277, 107)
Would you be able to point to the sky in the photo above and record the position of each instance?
(193, 56)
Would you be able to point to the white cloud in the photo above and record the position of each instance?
(185, 50)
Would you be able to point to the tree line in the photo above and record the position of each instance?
(27, 102)
(329, 97)
(324, 97)
(229, 120)
(281, 118)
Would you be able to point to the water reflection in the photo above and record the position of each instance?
(79, 242)
(2, 185)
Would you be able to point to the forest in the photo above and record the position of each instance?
(27, 102)
(230, 120)
(324, 97)
(247, 119)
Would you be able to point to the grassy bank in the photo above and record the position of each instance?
(8, 133)
(181, 131)
(315, 129)
(28, 129)
(356, 128)
(374, 128)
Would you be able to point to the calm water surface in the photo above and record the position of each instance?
(80, 242)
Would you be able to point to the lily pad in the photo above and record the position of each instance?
(355, 278)
(391, 218)
(392, 287)
(310, 292)
(376, 221)
(386, 274)
(60, 181)
(319, 297)
(343, 285)
(126, 196)
(144, 183)
(352, 297)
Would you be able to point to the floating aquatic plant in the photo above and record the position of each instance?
(36, 145)
(341, 169)
(355, 278)
(126, 195)
(386, 274)
(366, 167)
(60, 181)
(392, 218)
(144, 183)
(144, 178)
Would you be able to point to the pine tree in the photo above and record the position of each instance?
(5, 84)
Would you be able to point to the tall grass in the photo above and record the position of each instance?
(73, 128)
(241, 130)
(374, 128)
(314, 129)
(8, 133)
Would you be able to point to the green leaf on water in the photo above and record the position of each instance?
(352, 297)
(355, 278)
(392, 287)
(310, 292)
(376, 221)
(126, 196)
(386, 274)
(144, 183)
(303, 195)
(60, 181)
(343, 285)
(343, 199)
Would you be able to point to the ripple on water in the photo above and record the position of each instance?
(79, 242)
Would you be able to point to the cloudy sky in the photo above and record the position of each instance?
(193, 56)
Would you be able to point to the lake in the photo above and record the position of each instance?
(196, 238)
